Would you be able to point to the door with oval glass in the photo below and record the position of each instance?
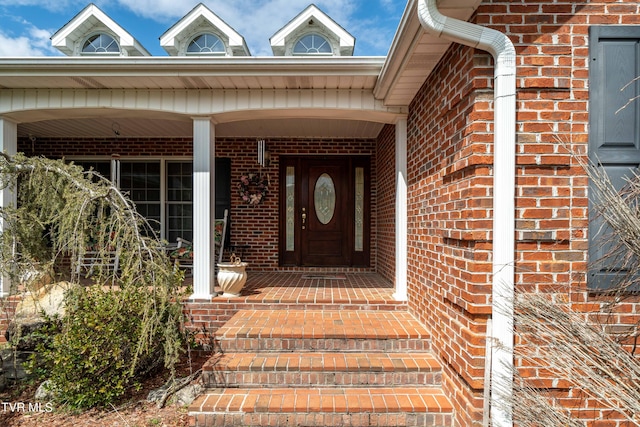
(324, 211)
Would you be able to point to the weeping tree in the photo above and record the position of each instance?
(577, 342)
(122, 322)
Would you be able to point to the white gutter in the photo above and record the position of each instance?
(504, 56)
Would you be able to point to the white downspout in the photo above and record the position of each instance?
(504, 142)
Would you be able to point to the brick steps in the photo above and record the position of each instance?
(322, 368)
(323, 330)
(394, 406)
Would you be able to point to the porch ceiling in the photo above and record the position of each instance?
(103, 127)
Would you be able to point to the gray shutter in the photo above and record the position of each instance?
(223, 191)
(614, 135)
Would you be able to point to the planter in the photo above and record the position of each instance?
(232, 276)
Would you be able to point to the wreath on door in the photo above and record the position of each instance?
(253, 188)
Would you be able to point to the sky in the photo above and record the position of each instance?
(26, 26)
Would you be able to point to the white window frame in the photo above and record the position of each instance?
(163, 178)
(100, 33)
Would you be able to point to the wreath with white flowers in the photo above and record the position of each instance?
(253, 188)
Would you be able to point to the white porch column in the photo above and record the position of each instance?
(401, 210)
(9, 145)
(204, 154)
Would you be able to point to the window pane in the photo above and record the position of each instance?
(312, 44)
(179, 200)
(290, 215)
(206, 44)
(359, 214)
(324, 198)
(141, 180)
(101, 167)
(100, 44)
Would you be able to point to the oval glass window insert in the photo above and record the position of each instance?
(324, 198)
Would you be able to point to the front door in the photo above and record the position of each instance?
(324, 211)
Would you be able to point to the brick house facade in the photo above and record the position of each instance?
(448, 113)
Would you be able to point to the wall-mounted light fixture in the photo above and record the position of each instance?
(32, 138)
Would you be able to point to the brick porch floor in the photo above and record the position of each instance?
(295, 291)
(317, 288)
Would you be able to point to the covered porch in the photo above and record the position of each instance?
(177, 134)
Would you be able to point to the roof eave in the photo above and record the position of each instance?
(404, 46)
(184, 66)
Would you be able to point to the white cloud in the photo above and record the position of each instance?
(19, 46)
(34, 43)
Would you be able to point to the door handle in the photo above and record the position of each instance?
(304, 218)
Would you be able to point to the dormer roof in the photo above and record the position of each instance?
(91, 20)
(309, 21)
(202, 20)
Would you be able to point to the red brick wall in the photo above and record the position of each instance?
(256, 227)
(450, 177)
(386, 198)
(449, 202)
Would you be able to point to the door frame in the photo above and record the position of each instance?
(293, 258)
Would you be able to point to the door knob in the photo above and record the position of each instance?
(304, 218)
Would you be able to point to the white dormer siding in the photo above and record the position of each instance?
(91, 21)
(201, 21)
(310, 29)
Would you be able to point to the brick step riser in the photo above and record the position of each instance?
(246, 379)
(393, 345)
(323, 419)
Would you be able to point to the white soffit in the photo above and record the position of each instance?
(185, 27)
(347, 41)
(90, 19)
(414, 53)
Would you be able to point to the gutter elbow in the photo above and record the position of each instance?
(465, 33)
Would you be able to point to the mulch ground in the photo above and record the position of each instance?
(133, 411)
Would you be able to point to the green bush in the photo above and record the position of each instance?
(95, 358)
(107, 337)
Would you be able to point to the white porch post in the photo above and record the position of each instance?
(401, 210)
(204, 154)
(9, 145)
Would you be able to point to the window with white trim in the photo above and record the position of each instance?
(162, 190)
(141, 181)
(100, 44)
(312, 44)
(206, 44)
(179, 200)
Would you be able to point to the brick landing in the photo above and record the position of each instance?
(314, 352)
(294, 291)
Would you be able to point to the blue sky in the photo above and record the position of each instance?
(27, 25)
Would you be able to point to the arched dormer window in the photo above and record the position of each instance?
(100, 44)
(312, 44)
(206, 44)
